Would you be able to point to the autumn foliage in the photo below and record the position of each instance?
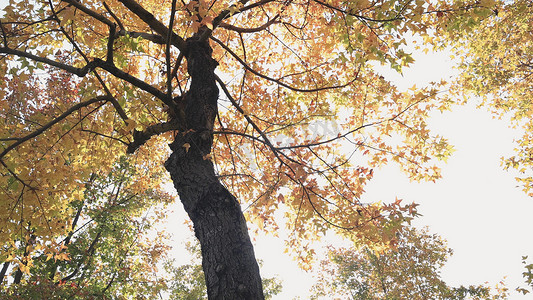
(303, 120)
(497, 64)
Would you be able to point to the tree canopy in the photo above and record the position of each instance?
(270, 105)
(409, 271)
(113, 247)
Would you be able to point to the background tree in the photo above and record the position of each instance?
(496, 66)
(297, 86)
(112, 249)
(409, 271)
(187, 282)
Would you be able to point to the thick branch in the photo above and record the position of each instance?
(141, 137)
(73, 70)
(97, 63)
(111, 68)
(4, 271)
(112, 34)
(155, 24)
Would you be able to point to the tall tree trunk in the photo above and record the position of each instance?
(228, 259)
(3, 272)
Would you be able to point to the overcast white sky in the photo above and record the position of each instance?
(476, 206)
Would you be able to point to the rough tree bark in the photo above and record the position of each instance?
(228, 259)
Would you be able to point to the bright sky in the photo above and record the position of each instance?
(476, 206)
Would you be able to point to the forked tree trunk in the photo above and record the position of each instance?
(228, 259)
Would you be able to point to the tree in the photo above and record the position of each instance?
(296, 84)
(112, 250)
(409, 271)
(497, 66)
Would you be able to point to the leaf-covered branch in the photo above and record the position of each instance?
(20, 140)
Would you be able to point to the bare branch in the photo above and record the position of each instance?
(279, 82)
(96, 63)
(306, 191)
(110, 42)
(218, 19)
(332, 139)
(88, 253)
(4, 36)
(236, 105)
(167, 55)
(105, 135)
(256, 4)
(155, 38)
(114, 17)
(141, 137)
(89, 12)
(77, 71)
(361, 17)
(111, 68)
(15, 175)
(112, 30)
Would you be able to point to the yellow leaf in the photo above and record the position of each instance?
(62, 256)
(208, 22)
(131, 124)
(24, 269)
(67, 15)
(362, 4)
